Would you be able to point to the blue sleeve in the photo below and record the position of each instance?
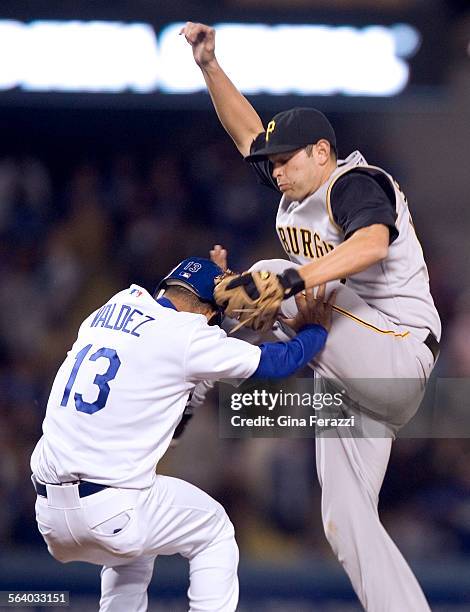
(281, 359)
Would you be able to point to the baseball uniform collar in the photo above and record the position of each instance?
(163, 301)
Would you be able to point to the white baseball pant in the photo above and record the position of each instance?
(126, 529)
(351, 470)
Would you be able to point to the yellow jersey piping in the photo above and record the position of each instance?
(369, 325)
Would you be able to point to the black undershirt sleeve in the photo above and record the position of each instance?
(361, 198)
(263, 169)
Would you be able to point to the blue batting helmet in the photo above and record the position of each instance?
(196, 274)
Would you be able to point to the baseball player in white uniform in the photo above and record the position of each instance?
(345, 219)
(112, 412)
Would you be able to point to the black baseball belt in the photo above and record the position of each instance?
(433, 345)
(85, 488)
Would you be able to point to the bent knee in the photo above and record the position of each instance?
(224, 532)
(61, 554)
(226, 528)
(226, 546)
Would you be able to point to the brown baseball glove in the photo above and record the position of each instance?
(254, 298)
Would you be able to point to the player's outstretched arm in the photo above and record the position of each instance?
(236, 114)
(366, 247)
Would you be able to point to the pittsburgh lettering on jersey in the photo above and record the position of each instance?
(126, 319)
(301, 241)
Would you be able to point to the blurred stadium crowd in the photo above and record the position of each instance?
(73, 233)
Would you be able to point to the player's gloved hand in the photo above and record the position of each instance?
(312, 310)
(202, 39)
(254, 298)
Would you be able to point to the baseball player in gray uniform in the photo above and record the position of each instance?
(114, 406)
(345, 219)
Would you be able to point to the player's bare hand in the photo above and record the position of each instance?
(201, 37)
(219, 256)
(312, 310)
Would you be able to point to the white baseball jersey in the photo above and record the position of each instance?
(119, 395)
(397, 286)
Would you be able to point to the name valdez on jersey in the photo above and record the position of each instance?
(126, 319)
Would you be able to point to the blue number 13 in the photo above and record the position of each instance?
(101, 380)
